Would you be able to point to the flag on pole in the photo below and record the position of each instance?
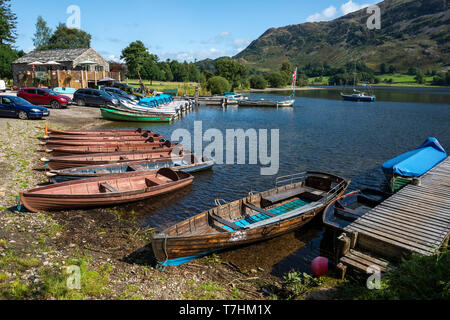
(294, 78)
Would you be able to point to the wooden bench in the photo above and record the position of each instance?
(260, 210)
(227, 223)
(136, 167)
(107, 187)
(362, 262)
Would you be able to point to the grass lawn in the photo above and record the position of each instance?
(398, 79)
(188, 87)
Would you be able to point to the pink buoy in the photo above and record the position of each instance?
(319, 266)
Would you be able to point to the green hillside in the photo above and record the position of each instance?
(413, 33)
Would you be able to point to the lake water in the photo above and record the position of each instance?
(321, 132)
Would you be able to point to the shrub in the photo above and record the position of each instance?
(218, 85)
(258, 82)
(276, 80)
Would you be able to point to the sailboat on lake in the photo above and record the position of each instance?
(358, 95)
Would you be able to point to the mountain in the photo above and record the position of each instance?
(414, 33)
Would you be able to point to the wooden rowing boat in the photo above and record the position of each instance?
(104, 191)
(57, 143)
(75, 161)
(116, 115)
(188, 164)
(256, 218)
(114, 132)
(349, 208)
(81, 150)
(131, 137)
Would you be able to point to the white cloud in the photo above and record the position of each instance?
(326, 14)
(351, 6)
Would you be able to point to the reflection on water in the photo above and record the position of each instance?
(321, 132)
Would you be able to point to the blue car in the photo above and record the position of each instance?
(15, 107)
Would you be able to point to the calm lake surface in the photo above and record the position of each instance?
(322, 133)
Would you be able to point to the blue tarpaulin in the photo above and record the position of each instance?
(416, 163)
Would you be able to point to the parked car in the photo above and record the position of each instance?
(15, 107)
(92, 97)
(44, 97)
(2, 86)
(128, 89)
(120, 93)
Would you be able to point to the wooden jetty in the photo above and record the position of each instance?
(414, 220)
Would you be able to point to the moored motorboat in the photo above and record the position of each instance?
(58, 163)
(412, 165)
(188, 164)
(255, 218)
(350, 207)
(104, 191)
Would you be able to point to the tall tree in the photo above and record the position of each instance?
(231, 70)
(7, 56)
(68, 38)
(42, 35)
(8, 23)
(135, 55)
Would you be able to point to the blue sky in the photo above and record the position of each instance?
(175, 29)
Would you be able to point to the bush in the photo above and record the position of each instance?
(258, 82)
(276, 80)
(218, 85)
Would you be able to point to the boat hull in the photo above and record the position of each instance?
(65, 151)
(356, 99)
(132, 117)
(59, 163)
(60, 176)
(38, 201)
(173, 247)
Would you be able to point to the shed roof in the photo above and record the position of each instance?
(59, 55)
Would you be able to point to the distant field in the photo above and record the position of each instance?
(397, 79)
(188, 87)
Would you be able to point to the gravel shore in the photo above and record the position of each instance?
(112, 251)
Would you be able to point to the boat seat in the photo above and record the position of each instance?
(226, 223)
(136, 167)
(107, 187)
(260, 210)
(270, 200)
(347, 214)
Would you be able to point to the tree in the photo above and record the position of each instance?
(8, 23)
(218, 85)
(194, 73)
(287, 68)
(135, 56)
(68, 38)
(392, 69)
(419, 77)
(166, 72)
(180, 73)
(383, 69)
(276, 79)
(258, 82)
(231, 70)
(7, 56)
(42, 35)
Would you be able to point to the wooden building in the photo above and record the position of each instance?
(75, 68)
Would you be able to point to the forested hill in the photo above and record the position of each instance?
(413, 33)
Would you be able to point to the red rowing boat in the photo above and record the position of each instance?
(132, 137)
(139, 131)
(75, 161)
(56, 143)
(104, 191)
(82, 150)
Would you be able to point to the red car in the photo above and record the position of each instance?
(44, 97)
